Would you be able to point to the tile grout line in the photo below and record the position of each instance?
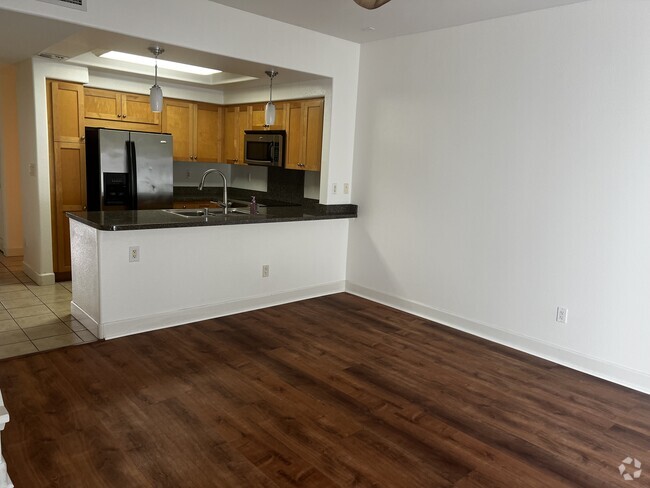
(12, 276)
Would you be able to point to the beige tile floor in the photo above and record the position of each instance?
(35, 318)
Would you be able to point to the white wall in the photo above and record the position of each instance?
(11, 224)
(502, 169)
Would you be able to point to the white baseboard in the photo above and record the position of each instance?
(113, 330)
(86, 320)
(38, 278)
(637, 380)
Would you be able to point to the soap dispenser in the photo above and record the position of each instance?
(253, 206)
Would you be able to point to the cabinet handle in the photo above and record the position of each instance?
(84, 207)
(124, 116)
(82, 138)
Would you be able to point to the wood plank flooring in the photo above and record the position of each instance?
(334, 391)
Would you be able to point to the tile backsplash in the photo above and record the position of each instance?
(280, 183)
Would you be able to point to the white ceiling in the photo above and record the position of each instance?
(346, 20)
(23, 36)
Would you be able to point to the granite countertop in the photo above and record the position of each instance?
(160, 219)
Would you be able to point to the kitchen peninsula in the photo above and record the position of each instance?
(135, 271)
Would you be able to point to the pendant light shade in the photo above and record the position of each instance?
(156, 98)
(155, 93)
(269, 114)
(269, 111)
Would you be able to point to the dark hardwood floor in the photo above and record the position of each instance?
(334, 391)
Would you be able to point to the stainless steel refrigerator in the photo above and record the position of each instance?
(128, 170)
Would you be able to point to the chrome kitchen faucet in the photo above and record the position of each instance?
(224, 204)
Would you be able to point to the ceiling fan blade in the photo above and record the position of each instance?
(371, 4)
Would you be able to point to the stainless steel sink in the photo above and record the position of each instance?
(199, 212)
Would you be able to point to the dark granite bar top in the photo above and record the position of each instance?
(161, 219)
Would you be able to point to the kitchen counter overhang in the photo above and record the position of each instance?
(160, 219)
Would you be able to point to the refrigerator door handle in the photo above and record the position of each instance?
(133, 174)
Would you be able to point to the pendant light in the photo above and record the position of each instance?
(269, 112)
(155, 94)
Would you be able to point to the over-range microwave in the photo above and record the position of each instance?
(264, 147)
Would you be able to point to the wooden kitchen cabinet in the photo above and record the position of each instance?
(178, 120)
(208, 146)
(237, 119)
(304, 135)
(69, 182)
(195, 204)
(66, 114)
(67, 166)
(118, 110)
(196, 129)
(258, 116)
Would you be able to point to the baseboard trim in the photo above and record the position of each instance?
(38, 278)
(86, 320)
(113, 330)
(13, 252)
(621, 375)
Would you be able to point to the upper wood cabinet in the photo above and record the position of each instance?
(178, 120)
(112, 106)
(208, 146)
(258, 116)
(197, 129)
(237, 119)
(66, 114)
(304, 134)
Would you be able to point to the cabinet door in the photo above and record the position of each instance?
(209, 134)
(229, 129)
(178, 120)
(102, 104)
(67, 112)
(305, 135)
(293, 158)
(244, 119)
(312, 133)
(258, 117)
(137, 109)
(70, 196)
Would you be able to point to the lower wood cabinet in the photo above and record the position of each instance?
(69, 168)
(194, 204)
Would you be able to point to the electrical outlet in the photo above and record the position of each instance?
(562, 315)
(134, 254)
(188, 175)
(335, 188)
(32, 169)
(265, 271)
(346, 188)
